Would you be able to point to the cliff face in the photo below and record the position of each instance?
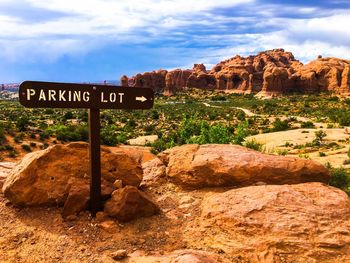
(269, 72)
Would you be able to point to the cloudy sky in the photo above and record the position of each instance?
(90, 40)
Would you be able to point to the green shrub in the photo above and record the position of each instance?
(2, 133)
(279, 125)
(319, 136)
(340, 178)
(218, 133)
(307, 124)
(26, 147)
(347, 161)
(322, 154)
(22, 123)
(282, 152)
(241, 132)
(72, 133)
(253, 144)
(109, 135)
(349, 152)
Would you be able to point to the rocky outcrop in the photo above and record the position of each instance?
(279, 223)
(129, 203)
(42, 178)
(269, 72)
(197, 166)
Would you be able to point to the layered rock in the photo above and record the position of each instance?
(197, 166)
(46, 177)
(279, 223)
(269, 72)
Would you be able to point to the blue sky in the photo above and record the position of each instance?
(89, 40)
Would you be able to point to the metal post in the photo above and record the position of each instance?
(95, 161)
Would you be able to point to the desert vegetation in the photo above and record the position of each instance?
(194, 116)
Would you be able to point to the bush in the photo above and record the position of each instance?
(349, 152)
(2, 133)
(320, 135)
(279, 125)
(218, 133)
(347, 161)
(253, 144)
(308, 124)
(72, 133)
(26, 147)
(241, 132)
(322, 154)
(340, 178)
(22, 123)
(109, 135)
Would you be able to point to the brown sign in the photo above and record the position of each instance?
(34, 94)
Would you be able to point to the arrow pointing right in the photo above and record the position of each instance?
(142, 99)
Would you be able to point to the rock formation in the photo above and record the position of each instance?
(197, 166)
(45, 177)
(280, 223)
(269, 72)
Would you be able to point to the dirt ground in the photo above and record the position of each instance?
(41, 235)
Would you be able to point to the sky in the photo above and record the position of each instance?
(96, 40)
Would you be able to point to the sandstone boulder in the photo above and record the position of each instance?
(42, 178)
(307, 222)
(197, 166)
(5, 169)
(129, 203)
(179, 256)
(154, 172)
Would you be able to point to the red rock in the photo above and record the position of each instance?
(278, 223)
(129, 203)
(197, 166)
(269, 72)
(42, 178)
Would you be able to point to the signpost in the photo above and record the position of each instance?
(35, 94)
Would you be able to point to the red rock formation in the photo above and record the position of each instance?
(269, 72)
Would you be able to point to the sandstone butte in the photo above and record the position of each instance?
(267, 73)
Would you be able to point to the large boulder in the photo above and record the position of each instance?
(129, 203)
(42, 178)
(5, 169)
(197, 166)
(307, 222)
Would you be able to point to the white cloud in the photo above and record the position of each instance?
(86, 25)
(94, 22)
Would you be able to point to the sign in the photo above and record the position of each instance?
(35, 94)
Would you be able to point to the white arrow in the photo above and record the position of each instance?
(142, 99)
